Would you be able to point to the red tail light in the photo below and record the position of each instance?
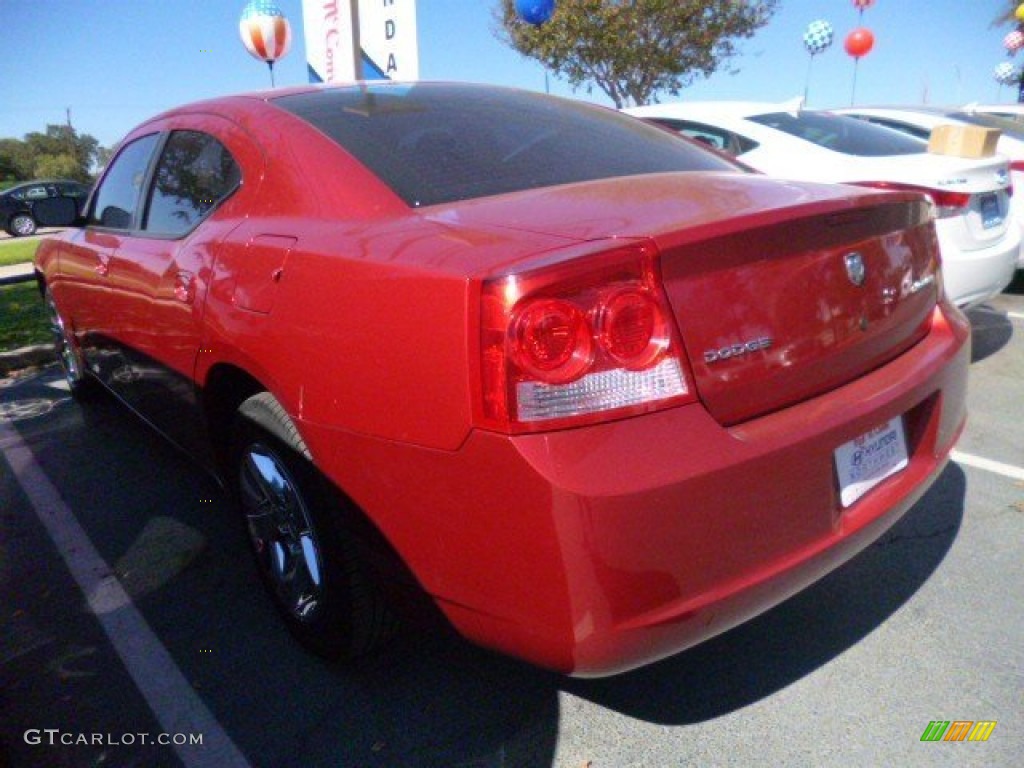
(551, 340)
(947, 203)
(633, 329)
(579, 341)
(1016, 166)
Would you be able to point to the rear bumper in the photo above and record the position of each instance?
(973, 277)
(596, 550)
(1017, 210)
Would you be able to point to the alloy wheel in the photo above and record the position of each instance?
(22, 225)
(63, 346)
(281, 531)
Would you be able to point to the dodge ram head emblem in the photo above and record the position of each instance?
(855, 269)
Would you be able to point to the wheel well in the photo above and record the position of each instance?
(226, 388)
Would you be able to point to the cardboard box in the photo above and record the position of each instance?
(964, 140)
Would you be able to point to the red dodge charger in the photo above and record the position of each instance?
(594, 390)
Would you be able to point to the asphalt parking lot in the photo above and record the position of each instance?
(130, 614)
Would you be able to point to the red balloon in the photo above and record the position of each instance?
(859, 42)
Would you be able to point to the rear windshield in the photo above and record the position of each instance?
(843, 134)
(436, 143)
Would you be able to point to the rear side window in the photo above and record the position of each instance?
(435, 143)
(717, 138)
(842, 134)
(73, 190)
(194, 174)
(120, 191)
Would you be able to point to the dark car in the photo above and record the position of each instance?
(41, 203)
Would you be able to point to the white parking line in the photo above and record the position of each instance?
(173, 701)
(997, 467)
(1015, 315)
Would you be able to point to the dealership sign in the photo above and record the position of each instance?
(360, 40)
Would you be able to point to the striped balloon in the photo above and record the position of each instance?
(265, 31)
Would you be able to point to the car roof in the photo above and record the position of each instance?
(924, 114)
(1008, 107)
(924, 109)
(231, 101)
(36, 182)
(927, 116)
(730, 109)
(44, 181)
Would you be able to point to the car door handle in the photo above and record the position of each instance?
(103, 266)
(184, 286)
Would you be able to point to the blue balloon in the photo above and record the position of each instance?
(535, 12)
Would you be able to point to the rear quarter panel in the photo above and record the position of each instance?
(371, 325)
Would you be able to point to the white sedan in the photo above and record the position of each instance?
(971, 196)
(921, 121)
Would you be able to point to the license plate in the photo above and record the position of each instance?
(865, 461)
(990, 213)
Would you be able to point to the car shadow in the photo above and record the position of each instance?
(991, 330)
(428, 699)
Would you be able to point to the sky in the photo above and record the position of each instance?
(115, 63)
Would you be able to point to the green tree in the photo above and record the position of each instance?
(57, 167)
(1007, 16)
(635, 49)
(16, 160)
(64, 140)
(103, 156)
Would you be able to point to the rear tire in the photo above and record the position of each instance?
(307, 555)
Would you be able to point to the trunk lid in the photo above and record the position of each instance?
(761, 272)
(986, 180)
(789, 310)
